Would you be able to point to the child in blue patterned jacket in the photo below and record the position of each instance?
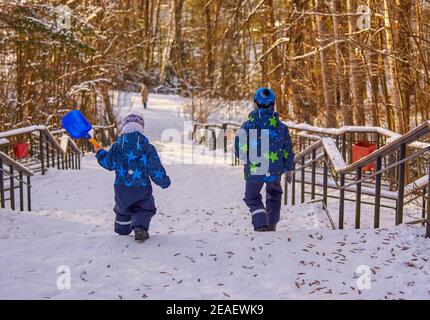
(135, 162)
(264, 145)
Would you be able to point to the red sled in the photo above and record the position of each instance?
(362, 149)
(20, 150)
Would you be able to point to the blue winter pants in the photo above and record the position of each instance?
(264, 215)
(138, 214)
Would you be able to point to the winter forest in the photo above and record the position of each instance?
(331, 63)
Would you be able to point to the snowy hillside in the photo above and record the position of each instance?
(202, 245)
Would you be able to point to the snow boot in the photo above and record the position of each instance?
(262, 229)
(140, 234)
(272, 227)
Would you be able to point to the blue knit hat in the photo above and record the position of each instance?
(264, 98)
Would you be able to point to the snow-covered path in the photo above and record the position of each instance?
(201, 246)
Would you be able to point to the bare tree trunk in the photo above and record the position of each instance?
(167, 47)
(393, 88)
(177, 53)
(405, 75)
(326, 71)
(304, 107)
(275, 69)
(372, 65)
(358, 81)
(210, 61)
(342, 59)
(104, 91)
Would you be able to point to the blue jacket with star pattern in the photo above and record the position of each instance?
(135, 162)
(279, 156)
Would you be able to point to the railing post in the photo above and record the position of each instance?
(77, 161)
(428, 206)
(224, 130)
(82, 147)
(344, 146)
(28, 193)
(342, 201)
(12, 188)
(41, 155)
(358, 200)
(377, 212)
(293, 189)
(214, 144)
(400, 185)
(285, 191)
(302, 196)
(423, 205)
(314, 156)
(325, 181)
(47, 154)
(2, 195)
(31, 145)
(53, 157)
(21, 191)
(378, 140)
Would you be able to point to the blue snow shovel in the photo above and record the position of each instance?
(78, 127)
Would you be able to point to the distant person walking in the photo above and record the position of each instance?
(145, 93)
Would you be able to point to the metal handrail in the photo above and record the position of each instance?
(12, 178)
(50, 150)
(109, 126)
(11, 162)
(389, 148)
(83, 144)
(70, 142)
(334, 161)
(40, 129)
(356, 129)
(50, 154)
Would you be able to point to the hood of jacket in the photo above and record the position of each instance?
(134, 142)
(263, 118)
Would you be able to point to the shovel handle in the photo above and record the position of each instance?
(94, 142)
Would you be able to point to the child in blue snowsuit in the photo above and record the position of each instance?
(264, 144)
(135, 161)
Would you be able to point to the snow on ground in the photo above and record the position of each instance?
(202, 245)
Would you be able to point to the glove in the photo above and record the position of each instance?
(289, 176)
